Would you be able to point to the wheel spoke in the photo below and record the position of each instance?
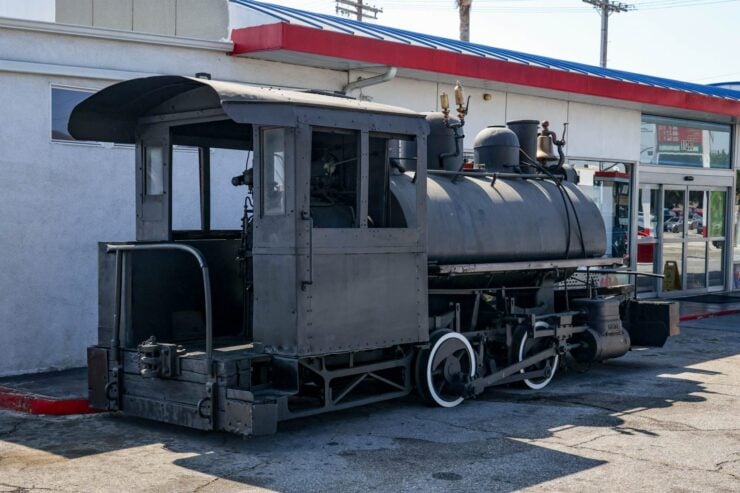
(450, 359)
(446, 350)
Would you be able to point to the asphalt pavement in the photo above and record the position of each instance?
(655, 420)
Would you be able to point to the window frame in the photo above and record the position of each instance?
(632, 215)
(688, 123)
(398, 137)
(147, 171)
(64, 87)
(362, 160)
(263, 175)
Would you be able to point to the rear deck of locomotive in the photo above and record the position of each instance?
(326, 298)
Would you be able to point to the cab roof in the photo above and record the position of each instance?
(112, 114)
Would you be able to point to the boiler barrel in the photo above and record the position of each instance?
(470, 221)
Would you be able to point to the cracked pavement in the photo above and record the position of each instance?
(656, 420)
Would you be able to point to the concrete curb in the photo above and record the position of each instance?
(16, 400)
(717, 313)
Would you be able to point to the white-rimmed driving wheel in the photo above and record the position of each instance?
(442, 369)
(525, 347)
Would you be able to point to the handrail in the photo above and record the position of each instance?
(206, 287)
(628, 272)
(306, 216)
(634, 273)
(494, 174)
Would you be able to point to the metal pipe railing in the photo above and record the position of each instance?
(635, 275)
(493, 174)
(206, 287)
(116, 340)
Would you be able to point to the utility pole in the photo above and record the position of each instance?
(605, 8)
(358, 9)
(463, 6)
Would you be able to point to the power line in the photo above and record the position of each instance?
(540, 7)
(359, 9)
(504, 7)
(718, 76)
(679, 4)
(606, 8)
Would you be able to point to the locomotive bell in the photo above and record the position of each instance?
(544, 149)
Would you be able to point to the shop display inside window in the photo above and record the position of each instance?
(608, 184)
(676, 142)
(736, 250)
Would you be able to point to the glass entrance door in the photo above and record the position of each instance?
(673, 234)
(681, 234)
(648, 222)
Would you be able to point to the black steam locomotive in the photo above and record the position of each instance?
(371, 259)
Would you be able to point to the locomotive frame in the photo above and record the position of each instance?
(326, 299)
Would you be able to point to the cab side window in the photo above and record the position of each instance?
(390, 175)
(335, 178)
(273, 175)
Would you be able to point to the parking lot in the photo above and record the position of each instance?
(655, 420)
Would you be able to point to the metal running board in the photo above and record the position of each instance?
(526, 265)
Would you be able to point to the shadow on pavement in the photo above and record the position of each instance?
(404, 444)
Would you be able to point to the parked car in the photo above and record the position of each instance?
(673, 225)
(696, 221)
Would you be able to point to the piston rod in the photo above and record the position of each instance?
(478, 385)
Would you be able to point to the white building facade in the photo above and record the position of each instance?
(647, 164)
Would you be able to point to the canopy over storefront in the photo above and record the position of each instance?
(279, 33)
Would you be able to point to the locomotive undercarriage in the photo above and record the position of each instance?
(485, 337)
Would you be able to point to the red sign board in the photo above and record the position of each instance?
(681, 139)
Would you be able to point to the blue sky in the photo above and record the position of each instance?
(691, 40)
(695, 42)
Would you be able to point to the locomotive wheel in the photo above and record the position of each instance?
(525, 347)
(442, 368)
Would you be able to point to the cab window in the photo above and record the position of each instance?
(335, 178)
(273, 174)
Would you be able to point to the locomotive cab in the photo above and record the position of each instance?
(297, 285)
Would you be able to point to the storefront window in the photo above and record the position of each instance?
(608, 184)
(681, 235)
(675, 142)
(736, 255)
(647, 235)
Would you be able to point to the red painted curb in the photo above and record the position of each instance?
(24, 402)
(718, 313)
